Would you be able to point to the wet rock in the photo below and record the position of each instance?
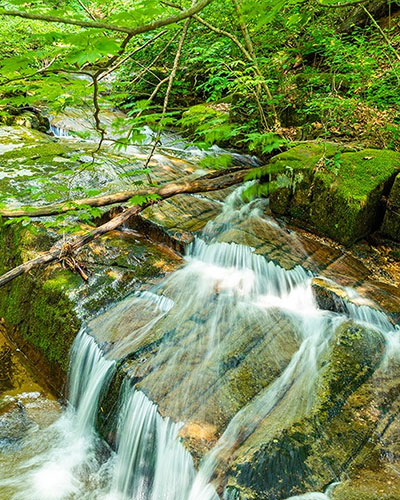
(332, 297)
(6, 368)
(43, 311)
(30, 119)
(281, 459)
(198, 438)
(13, 422)
(377, 484)
(182, 213)
(391, 222)
(338, 194)
(27, 117)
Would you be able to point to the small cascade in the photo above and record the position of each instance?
(58, 132)
(73, 457)
(90, 373)
(222, 305)
(236, 267)
(151, 462)
(57, 461)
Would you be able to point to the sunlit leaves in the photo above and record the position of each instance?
(216, 162)
(266, 143)
(143, 199)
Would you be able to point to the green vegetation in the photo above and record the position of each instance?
(237, 74)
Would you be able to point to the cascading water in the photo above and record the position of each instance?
(197, 319)
(151, 463)
(56, 461)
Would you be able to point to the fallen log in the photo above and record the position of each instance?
(62, 250)
(164, 191)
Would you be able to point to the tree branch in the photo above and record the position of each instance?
(135, 51)
(211, 27)
(340, 5)
(151, 64)
(67, 249)
(144, 28)
(101, 201)
(167, 93)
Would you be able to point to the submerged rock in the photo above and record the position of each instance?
(335, 192)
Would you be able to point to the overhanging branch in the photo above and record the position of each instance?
(144, 28)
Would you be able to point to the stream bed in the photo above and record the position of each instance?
(222, 378)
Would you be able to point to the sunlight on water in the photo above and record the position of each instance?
(197, 318)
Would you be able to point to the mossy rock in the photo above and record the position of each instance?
(382, 484)
(281, 459)
(391, 221)
(36, 306)
(335, 192)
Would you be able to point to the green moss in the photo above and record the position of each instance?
(355, 355)
(37, 303)
(307, 454)
(42, 151)
(360, 173)
(338, 194)
(307, 155)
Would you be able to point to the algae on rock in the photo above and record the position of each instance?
(339, 429)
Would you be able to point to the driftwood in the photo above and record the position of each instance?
(67, 249)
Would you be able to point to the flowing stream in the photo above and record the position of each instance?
(195, 316)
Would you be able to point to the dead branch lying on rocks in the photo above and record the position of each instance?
(67, 249)
(163, 190)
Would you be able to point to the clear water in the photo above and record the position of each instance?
(225, 285)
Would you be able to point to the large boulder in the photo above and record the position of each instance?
(332, 190)
(289, 454)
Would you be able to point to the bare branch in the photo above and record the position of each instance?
(128, 56)
(149, 66)
(387, 40)
(167, 94)
(63, 250)
(86, 10)
(211, 27)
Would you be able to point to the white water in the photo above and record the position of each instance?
(55, 463)
(151, 463)
(226, 285)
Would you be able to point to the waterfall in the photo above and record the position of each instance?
(195, 317)
(90, 373)
(58, 132)
(60, 473)
(58, 460)
(151, 464)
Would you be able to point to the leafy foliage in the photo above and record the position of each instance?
(253, 76)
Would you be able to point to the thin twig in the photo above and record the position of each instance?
(167, 94)
(381, 32)
(128, 56)
(26, 77)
